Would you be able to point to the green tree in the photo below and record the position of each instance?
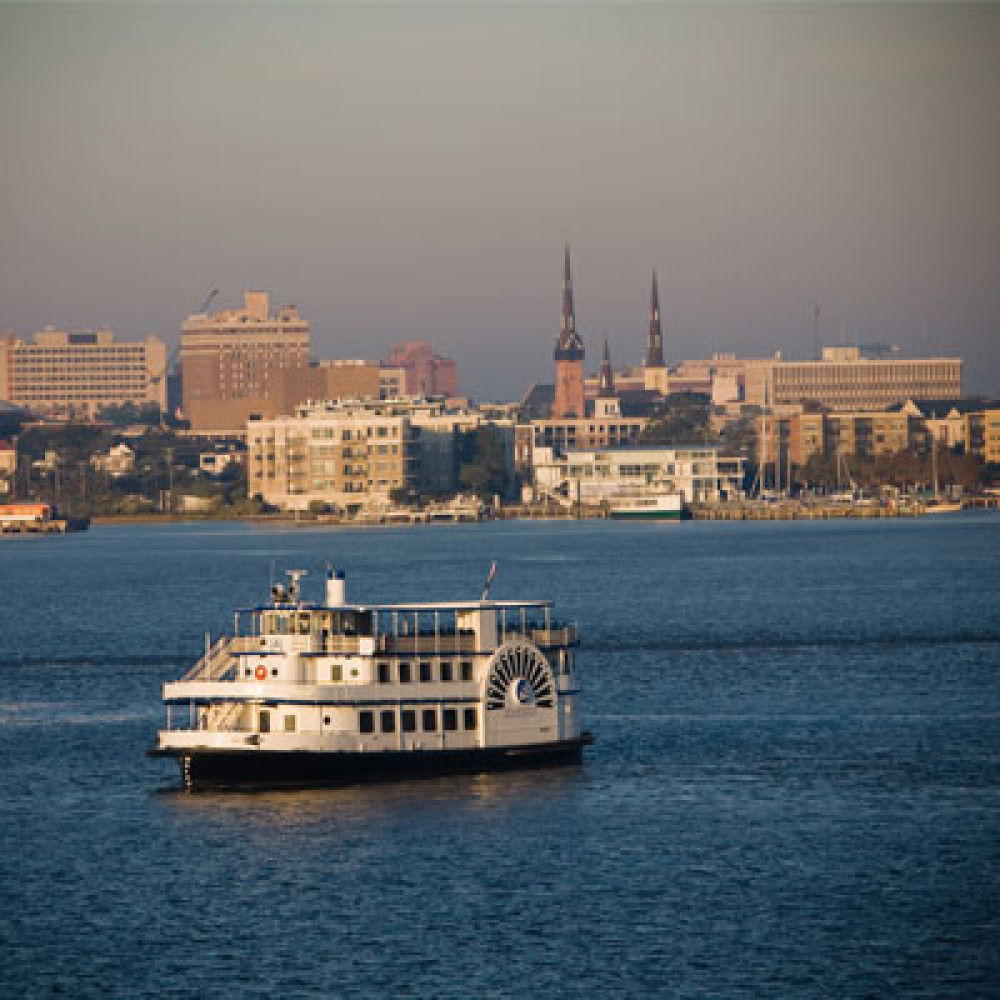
(682, 418)
(484, 469)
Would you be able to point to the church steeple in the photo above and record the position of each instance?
(654, 346)
(606, 381)
(569, 345)
(569, 397)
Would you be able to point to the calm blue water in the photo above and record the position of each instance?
(795, 790)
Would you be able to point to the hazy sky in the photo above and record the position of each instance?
(412, 170)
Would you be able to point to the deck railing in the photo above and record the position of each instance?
(216, 664)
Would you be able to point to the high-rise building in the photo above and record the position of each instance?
(230, 360)
(79, 374)
(569, 395)
(425, 373)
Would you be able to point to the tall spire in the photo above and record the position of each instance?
(569, 345)
(654, 346)
(606, 380)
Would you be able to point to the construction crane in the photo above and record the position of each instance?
(208, 300)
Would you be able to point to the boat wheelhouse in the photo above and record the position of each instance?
(336, 692)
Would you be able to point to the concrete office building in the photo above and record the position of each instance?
(76, 375)
(844, 380)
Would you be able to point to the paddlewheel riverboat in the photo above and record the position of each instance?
(332, 693)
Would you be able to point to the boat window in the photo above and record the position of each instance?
(388, 720)
(430, 720)
(404, 673)
(466, 670)
(336, 673)
(326, 720)
(449, 719)
(366, 722)
(425, 671)
(383, 673)
(446, 673)
(274, 671)
(469, 718)
(408, 719)
(247, 672)
(290, 723)
(265, 721)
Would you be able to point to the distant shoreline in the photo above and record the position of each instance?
(774, 512)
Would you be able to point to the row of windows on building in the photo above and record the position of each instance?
(409, 717)
(84, 351)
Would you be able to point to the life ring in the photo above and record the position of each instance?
(261, 672)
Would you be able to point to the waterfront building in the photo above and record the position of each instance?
(424, 372)
(232, 361)
(355, 453)
(221, 457)
(8, 465)
(76, 375)
(569, 354)
(982, 434)
(585, 432)
(793, 435)
(594, 476)
(117, 461)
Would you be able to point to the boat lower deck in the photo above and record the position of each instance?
(254, 768)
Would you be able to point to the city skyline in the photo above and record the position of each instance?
(413, 173)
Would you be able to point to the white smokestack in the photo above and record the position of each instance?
(336, 588)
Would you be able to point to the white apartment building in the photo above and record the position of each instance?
(351, 454)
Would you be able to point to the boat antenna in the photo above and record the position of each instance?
(490, 577)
